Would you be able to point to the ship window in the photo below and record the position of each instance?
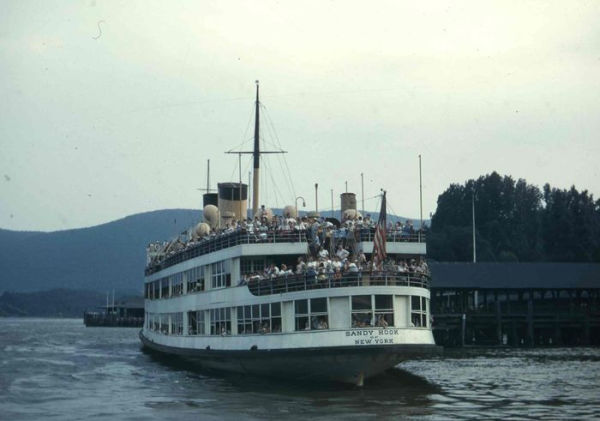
(318, 314)
(250, 266)
(418, 311)
(196, 322)
(276, 317)
(311, 314)
(177, 284)
(276, 309)
(301, 307)
(362, 311)
(240, 315)
(164, 323)
(361, 302)
(384, 311)
(195, 279)
(164, 288)
(220, 277)
(265, 319)
(176, 321)
(156, 290)
(259, 318)
(220, 321)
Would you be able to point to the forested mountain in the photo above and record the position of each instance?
(515, 221)
(53, 303)
(99, 258)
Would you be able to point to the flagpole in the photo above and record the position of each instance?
(379, 240)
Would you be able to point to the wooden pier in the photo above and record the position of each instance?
(511, 304)
(125, 313)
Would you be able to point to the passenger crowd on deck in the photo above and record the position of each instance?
(342, 264)
(332, 245)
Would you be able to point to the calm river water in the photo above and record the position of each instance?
(58, 369)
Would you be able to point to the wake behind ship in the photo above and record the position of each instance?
(289, 296)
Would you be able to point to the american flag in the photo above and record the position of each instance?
(379, 240)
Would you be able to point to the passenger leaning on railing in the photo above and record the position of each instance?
(326, 272)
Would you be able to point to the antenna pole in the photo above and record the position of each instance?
(316, 198)
(362, 192)
(473, 211)
(208, 176)
(256, 157)
(332, 203)
(420, 199)
(240, 198)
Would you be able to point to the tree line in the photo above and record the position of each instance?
(515, 222)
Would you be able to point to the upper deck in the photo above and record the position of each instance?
(297, 242)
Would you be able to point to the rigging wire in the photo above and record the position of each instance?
(245, 135)
(235, 167)
(392, 212)
(287, 171)
(276, 193)
(263, 174)
(283, 172)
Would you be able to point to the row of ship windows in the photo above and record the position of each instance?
(172, 286)
(309, 314)
(220, 277)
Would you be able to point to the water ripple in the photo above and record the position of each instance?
(59, 369)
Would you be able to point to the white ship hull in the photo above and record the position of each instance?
(365, 353)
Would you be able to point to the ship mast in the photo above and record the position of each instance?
(256, 154)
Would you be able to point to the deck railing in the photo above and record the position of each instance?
(305, 282)
(223, 241)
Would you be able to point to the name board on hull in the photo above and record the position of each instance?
(377, 336)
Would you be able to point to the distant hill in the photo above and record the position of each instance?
(53, 303)
(100, 258)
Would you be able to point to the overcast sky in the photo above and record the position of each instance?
(112, 108)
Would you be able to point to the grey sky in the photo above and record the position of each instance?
(112, 108)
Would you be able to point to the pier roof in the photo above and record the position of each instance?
(515, 275)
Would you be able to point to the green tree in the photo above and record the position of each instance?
(515, 222)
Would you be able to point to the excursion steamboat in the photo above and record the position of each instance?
(306, 298)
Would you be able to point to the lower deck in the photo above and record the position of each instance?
(350, 316)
